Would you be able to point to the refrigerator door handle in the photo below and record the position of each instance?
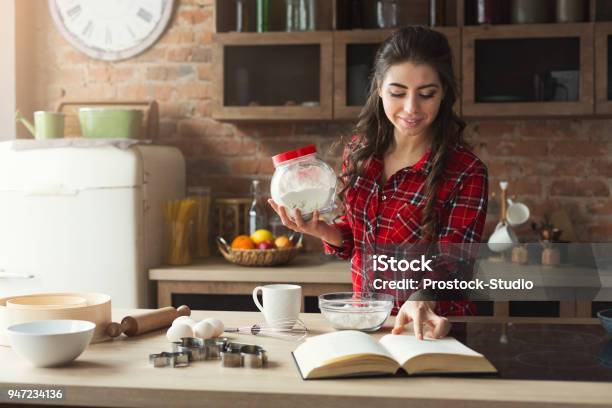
(50, 190)
(7, 275)
(146, 205)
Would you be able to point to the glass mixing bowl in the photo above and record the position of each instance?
(356, 311)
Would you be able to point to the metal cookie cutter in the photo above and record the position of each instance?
(192, 346)
(165, 359)
(214, 347)
(231, 356)
(253, 356)
(243, 355)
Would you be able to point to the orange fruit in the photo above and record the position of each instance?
(243, 242)
(283, 242)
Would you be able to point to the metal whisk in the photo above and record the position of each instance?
(286, 329)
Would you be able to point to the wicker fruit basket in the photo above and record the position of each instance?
(258, 257)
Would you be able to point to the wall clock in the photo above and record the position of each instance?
(111, 30)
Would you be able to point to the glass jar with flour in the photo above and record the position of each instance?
(303, 181)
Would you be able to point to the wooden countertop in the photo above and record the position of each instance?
(322, 269)
(315, 268)
(304, 268)
(117, 373)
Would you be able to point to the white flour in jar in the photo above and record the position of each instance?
(307, 200)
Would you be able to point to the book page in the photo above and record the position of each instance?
(320, 350)
(405, 346)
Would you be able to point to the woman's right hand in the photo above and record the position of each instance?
(315, 227)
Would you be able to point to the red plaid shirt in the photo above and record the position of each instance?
(391, 215)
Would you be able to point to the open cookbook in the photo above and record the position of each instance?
(353, 353)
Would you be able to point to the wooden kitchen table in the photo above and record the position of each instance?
(117, 373)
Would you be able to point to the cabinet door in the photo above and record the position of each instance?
(86, 240)
(603, 68)
(528, 70)
(354, 53)
(271, 76)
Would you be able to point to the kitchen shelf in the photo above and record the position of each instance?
(408, 13)
(226, 15)
(603, 68)
(331, 14)
(516, 53)
(470, 12)
(503, 14)
(273, 75)
(354, 53)
(328, 66)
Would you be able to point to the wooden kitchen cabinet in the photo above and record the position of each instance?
(273, 76)
(603, 68)
(507, 70)
(354, 53)
(528, 70)
(601, 11)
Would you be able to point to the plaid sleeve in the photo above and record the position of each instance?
(461, 228)
(346, 249)
(343, 223)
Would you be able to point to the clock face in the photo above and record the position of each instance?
(111, 29)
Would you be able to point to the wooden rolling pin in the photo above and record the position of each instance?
(147, 322)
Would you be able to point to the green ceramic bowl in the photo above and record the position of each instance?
(110, 123)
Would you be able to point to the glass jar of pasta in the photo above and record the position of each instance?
(201, 227)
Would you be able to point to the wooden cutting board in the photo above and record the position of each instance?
(72, 127)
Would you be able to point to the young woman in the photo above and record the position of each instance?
(408, 175)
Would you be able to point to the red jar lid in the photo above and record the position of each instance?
(293, 154)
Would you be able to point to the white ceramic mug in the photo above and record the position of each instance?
(517, 213)
(281, 304)
(502, 239)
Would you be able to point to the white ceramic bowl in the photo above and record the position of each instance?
(50, 343)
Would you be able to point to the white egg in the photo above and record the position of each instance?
(204, 330)
(217, 324)
(184, 319)
(178, 331)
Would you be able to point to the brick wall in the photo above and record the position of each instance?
(550, 163)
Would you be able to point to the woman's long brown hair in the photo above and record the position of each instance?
(374, 131)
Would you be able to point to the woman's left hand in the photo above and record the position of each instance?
(426, 322)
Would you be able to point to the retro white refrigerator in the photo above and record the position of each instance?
(76, 219)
